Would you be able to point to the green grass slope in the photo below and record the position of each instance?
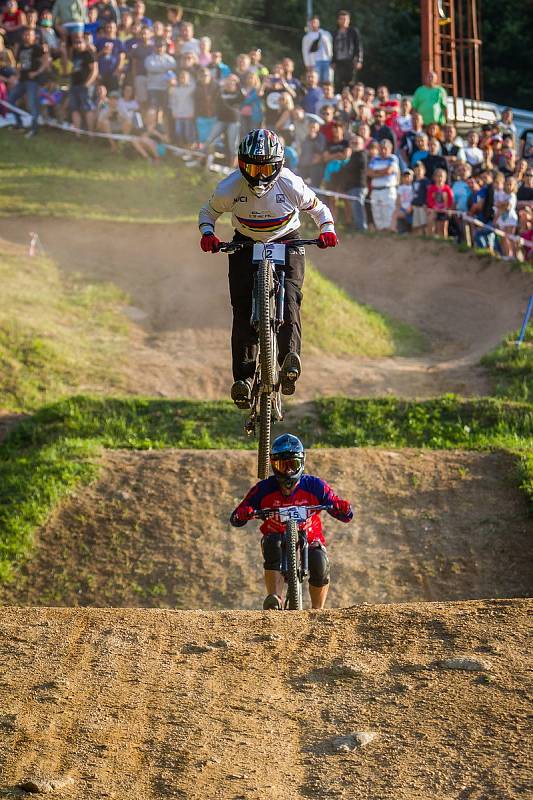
(54, 175)
(55, 336)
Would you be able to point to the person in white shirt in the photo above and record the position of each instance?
(265, 200)
(181, 102)
(474, 154)
(317, 49)
(384, 171)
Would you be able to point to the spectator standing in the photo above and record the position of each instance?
(205, 56)
(430, 100)
(288, 76)
(507, 125)
(311, 166)
(404, 203)
(219, 69)
(473, 153)
(252, 104)
(138, 55)
(404, 122)
(439, 200)
(138, 14)
(353, 181)
(205, 95)
(186, 43)
(380, 130)
(383, 171)
(255, 63)
(228, 111)
(462, 192)
(524, 194)
(347, 52)
(109, 67)
(408, 145)
(313, 97)
(317, 49)
(507, 218)
(32, 62)
(174, 18)
(434, 160)
(83, 75)
(69, 17)
(181, 102)
(7, 59)
(12, 21)
(48, 35)
(452, 152)
(157, 67)
(422, 149)
(420, 189)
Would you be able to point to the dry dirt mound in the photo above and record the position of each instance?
(153, 531)
(152, 705)
(464, 306)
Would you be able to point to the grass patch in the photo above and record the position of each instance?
(54, 175)
(336, 323)
(51, 453)
(55, 336)
(512, 367)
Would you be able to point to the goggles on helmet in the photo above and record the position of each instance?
(255, 170)
(287, 466)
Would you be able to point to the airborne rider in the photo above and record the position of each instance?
(265, 200)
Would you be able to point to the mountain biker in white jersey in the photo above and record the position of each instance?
(265, 199)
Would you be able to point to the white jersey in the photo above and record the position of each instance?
(269, 217)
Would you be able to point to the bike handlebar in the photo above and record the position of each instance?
(233, 247)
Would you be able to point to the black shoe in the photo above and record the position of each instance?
(272, 603)
(290, 372)
(241, 393)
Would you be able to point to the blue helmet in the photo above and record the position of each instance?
(287, 457)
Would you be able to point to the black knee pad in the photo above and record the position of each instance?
(318, 566)
(271, 549)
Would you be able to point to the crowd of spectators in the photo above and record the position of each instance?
(103, 65)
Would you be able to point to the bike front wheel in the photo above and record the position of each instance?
(294, 591)
(265, 424)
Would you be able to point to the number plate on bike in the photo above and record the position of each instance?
(274, 252)
(296, 513)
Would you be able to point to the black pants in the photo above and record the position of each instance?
(318, 560)
(345, 74)
(241, 283)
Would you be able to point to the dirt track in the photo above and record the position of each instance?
(242, 705)
(153, 531)
(463, 305)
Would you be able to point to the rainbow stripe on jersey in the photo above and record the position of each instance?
(268, 225)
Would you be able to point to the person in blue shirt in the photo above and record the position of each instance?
(313, 98)
(462, 193)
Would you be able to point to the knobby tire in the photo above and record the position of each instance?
(294, 591)
(267, 362)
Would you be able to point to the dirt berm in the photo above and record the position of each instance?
(142, 704)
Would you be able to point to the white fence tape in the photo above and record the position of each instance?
(194, 154)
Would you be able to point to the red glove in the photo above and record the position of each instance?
(241, 515)
(209, 243)
(328, 239)
(343, 507)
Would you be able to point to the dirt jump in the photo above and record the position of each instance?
(461, 304)
(375, 702)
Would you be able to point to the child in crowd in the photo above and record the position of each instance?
(181, 102)
(473, 153)
(506, 217)
(404, 202)
(439, 200)
(420, 188)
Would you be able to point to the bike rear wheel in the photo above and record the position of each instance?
(267, 362)
(294, 591)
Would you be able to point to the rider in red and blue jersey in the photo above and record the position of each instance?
(289, 486)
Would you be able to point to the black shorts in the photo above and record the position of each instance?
(318, 558)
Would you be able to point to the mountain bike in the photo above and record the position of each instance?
(294, 548)
(268, 304)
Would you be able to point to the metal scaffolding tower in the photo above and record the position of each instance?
(451, 46)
